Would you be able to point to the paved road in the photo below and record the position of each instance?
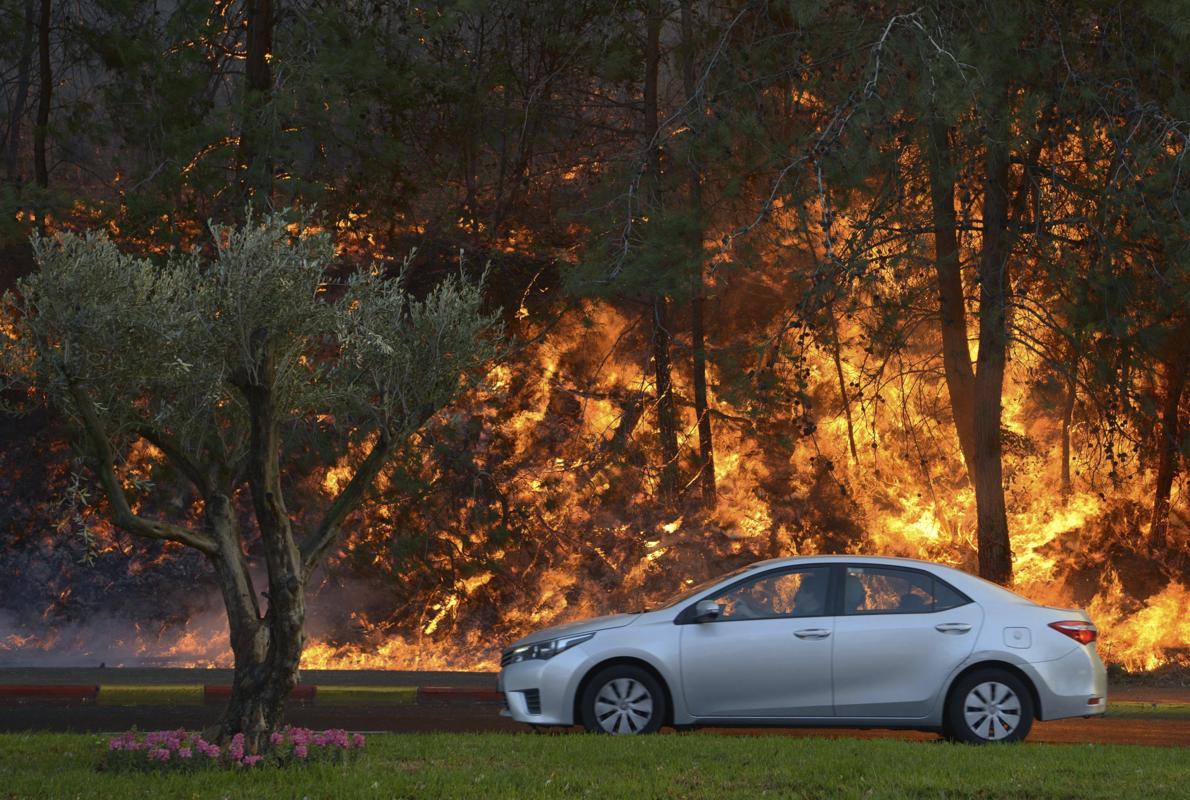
(463, 716)
(93, 676)
(485, 717)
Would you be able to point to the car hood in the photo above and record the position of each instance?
(581, 626)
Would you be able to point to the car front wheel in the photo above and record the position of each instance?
(623, 700)
(989, 705)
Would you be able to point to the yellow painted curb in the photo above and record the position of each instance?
(149, 694)
(365, 695)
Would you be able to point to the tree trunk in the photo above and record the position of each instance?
(1067, 486)
(843, 394)
(667, 428)
(706, 447)
(995, 551)
(262, 684)
(45, 95)
(256, 177)
(653, 21)
(249, 636)
(12, 136)
(952, 310)
(1175, 369)
(666, 420)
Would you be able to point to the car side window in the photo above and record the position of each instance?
(799, 593)
(946, 598)
(880, 590)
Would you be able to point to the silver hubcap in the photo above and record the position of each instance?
(992, 711)
(623, 706)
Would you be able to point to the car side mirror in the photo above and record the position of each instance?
(707, 611)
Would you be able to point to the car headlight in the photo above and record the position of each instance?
(544, 650)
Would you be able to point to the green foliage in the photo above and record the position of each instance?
(400, 357)
(168, 345)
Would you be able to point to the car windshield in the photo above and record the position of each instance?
(686, 594)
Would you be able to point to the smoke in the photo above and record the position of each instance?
(104, 640)
(193, 633)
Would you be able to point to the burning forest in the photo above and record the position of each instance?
(768, 285)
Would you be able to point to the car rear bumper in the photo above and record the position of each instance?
(1074, 685)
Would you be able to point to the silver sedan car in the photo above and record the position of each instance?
(848, 641)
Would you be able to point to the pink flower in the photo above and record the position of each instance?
(161, 747)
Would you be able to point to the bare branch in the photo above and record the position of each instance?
(314, 548)
(103, 463)
(176, 455)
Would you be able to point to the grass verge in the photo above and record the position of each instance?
(528, 766)
(1137, 710)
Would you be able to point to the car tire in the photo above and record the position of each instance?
(988, 706)
(622, 699)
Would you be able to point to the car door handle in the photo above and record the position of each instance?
(952, 627)
(812, 633)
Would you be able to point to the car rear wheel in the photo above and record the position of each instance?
(989, 705)
(623, 700)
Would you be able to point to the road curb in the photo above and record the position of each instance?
(165, 694)
(457, 693)
(52, 692)
(366, 695)
(119, 694)
(221, 691)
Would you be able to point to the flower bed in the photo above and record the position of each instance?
(183, 750)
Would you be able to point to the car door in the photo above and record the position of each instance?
(769, 652)
(899, 635)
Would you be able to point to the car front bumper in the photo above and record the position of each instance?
(554, 679)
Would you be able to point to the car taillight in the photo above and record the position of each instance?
(1081, 632)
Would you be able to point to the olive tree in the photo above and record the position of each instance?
(221, 362)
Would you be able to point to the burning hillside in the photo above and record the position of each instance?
(831, 278)
(530, 505)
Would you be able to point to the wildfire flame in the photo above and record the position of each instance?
(547, 510)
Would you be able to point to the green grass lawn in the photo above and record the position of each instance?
(701, 765)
